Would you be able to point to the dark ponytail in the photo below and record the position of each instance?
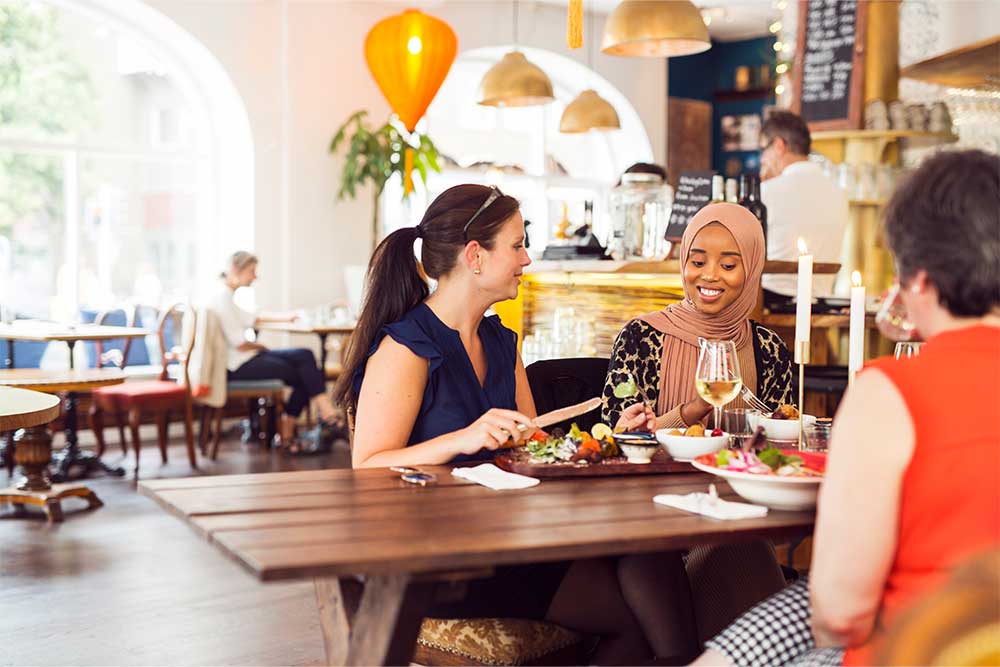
(394, 286)
(396, 283)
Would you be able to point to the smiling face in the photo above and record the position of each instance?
(714, 273)
(503, 265)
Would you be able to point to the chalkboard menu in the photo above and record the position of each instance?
(694, 190)
(829, 63)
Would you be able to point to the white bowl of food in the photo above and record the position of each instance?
(637, 447)
(793, 492)
(687, 443)
(784, 428)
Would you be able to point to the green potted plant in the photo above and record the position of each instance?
(375, 155)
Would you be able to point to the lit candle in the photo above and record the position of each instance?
(856, 354)
(803, 308)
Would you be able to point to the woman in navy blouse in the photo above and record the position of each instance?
(432, 379)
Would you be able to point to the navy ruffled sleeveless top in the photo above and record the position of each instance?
(453, 397)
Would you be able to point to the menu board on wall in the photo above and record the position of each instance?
(829, 73)
(694, 190)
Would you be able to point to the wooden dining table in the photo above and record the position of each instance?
(380, 550)
(42, 331)
(323, 331)
(28, 411)
(69, 384)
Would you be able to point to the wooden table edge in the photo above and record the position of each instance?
(475, 561)
(33, 417)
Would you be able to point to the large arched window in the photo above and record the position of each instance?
(125, 157)
(521, 149)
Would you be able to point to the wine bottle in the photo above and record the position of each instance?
(718, 189)
(750, 200)
(732, 195)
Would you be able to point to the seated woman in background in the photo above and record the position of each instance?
(432, 379)
(722, 252)
(911, 487)
(296, 367)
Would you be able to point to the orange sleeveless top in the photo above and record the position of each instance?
(949, 507)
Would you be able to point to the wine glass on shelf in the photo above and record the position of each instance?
(718, 379)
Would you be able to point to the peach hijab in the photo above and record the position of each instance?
(683, 324)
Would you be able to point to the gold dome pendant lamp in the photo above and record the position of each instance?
(655, 29)
(515, 81)
(589, 111)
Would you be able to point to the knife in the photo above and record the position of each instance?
(558, 415)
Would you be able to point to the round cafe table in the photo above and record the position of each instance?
(30, 411)
(69, 383)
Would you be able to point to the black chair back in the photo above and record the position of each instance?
(556, 383)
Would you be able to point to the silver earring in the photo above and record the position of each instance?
(477, 271)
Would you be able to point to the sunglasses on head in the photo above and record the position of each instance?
(494, 195)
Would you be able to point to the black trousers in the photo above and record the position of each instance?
(296, 367)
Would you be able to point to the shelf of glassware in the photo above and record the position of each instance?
(863, 249)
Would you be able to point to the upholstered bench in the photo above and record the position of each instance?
(498, 641)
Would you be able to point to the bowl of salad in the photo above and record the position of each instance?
(783, 479)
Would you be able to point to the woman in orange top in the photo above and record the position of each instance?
(911, 483)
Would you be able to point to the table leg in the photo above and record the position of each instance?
(71, 456)
(322, 352)
(376, 623)
(34, 452)
(9, 361)
(71, 344)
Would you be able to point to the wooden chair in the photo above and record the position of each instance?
(267, 398)
(159, 397)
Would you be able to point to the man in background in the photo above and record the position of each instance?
(800, 201)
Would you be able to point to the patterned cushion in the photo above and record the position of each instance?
(491, 641)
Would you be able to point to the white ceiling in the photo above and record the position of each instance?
(732, 20)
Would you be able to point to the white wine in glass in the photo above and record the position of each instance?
(718, 379)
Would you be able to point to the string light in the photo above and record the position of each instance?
(778, 46)
(781, 68)
(775, 27)
(779, 89)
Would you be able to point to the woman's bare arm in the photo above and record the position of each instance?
(858, 516)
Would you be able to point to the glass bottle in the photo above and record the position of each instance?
(718, 189)
(732, 195)
(750, 200)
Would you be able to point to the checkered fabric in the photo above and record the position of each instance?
(776, 632)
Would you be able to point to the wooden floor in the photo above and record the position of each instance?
(127, 584)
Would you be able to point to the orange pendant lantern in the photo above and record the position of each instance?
(409, 55)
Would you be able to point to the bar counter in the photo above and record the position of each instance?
(607, 293)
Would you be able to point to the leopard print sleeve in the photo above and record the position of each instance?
(637, 351)
(774, 367)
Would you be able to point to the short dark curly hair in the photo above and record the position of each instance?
(945, 220)
(791, 128)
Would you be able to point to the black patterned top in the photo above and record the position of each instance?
(639, 348)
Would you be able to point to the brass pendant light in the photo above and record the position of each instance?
(655, 29)
(515, 81)
(589, 111)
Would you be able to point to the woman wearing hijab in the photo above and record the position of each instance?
(722, 251)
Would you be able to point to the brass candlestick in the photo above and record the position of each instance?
(802, 358)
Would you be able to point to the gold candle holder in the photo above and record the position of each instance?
(802, 358)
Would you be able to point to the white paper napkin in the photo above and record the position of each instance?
(489, 475)
(711, 505)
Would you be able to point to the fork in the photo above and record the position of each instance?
(753, 401)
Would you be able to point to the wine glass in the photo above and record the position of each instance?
(892, 318)
(717, 378)
(907, 348)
